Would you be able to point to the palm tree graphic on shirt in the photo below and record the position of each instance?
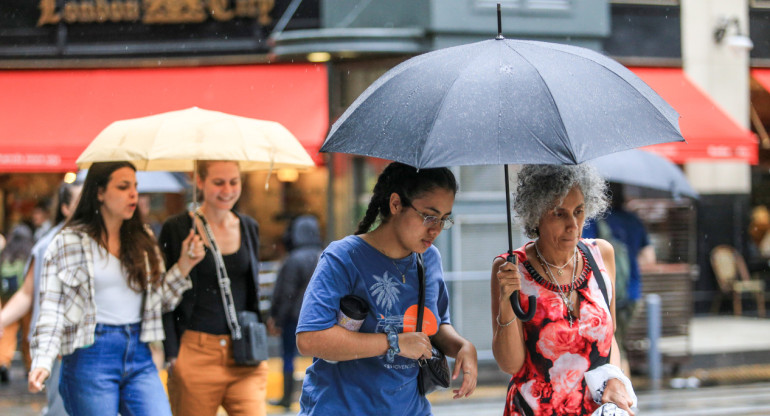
(385, 291)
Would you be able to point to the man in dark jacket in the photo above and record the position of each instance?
(293, 277)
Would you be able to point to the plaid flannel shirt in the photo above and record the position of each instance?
(67, 317)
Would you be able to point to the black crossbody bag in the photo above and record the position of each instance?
(434, 372)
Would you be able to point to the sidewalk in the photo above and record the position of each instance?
(729, 350)
(725, 350)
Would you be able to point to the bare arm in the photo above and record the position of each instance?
(646, 256)
(608, 256)
(176, 280)
(615, 392)
(507, 341)
(21, 301)
(339, 344)
(466, 358)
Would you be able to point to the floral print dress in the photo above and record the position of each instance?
(558, 354)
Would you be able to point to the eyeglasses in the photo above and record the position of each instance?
(432, 220)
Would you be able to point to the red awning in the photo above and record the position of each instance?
(762, 76)
(48, 117)
(709, 131)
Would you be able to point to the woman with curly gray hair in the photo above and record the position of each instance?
(555, 357)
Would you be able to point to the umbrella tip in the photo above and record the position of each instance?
(499, 23)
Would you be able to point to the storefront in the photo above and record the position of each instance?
(686, 231)
(58, 112)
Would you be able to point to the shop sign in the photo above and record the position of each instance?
(153, 11)
(30, 159)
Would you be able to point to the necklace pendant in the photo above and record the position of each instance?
(403, 279)
(559, 272)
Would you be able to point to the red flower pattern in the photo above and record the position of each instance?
(551, 379)
(558, 338)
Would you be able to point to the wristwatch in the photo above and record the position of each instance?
(393, 350)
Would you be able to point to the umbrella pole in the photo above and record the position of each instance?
(523, 316)
(508, 211)
(194, 204)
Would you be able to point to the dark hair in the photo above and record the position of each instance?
(135, 242)
(409, 183)
(617, 196)
(19, 245)
(63, 197)
(44, 204)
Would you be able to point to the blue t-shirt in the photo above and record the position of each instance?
(629, 229)
(369, 385)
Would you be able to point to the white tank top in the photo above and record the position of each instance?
(116, 303)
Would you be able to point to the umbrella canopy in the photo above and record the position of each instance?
(173, 141)
(640, 168)
(503, 101)
(151, 182)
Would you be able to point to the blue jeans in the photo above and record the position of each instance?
(55, 406)
(115, 374)
(289, 345)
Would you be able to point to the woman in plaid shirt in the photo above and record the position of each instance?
(104, 288)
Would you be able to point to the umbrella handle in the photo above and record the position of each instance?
(523, 316)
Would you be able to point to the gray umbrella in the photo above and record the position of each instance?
(504, 101)
(640, 168)
(152, 182)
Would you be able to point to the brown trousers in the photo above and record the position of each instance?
(205, 377)
(8, 341)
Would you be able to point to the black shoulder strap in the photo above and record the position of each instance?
(595, 269)
(421, 304)
(252, 247)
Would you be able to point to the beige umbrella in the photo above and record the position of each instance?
(175, 140)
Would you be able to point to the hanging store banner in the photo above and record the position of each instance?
(146, 28)
(153, 11)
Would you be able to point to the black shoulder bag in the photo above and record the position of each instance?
(434, 372)
(249, 335)
(595, 269)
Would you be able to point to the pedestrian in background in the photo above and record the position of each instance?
(572, 331)
(304, 245)
(145, 205)
(27, 299)
(375, 370)
(104, 289)
(203, 374)
(12, 260)
(41, 222)
(759, 241)
(628, 236)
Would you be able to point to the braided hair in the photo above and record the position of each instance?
(409, 183)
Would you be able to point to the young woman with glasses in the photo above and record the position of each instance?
(375, 369)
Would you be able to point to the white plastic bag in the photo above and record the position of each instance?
(609, 409)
